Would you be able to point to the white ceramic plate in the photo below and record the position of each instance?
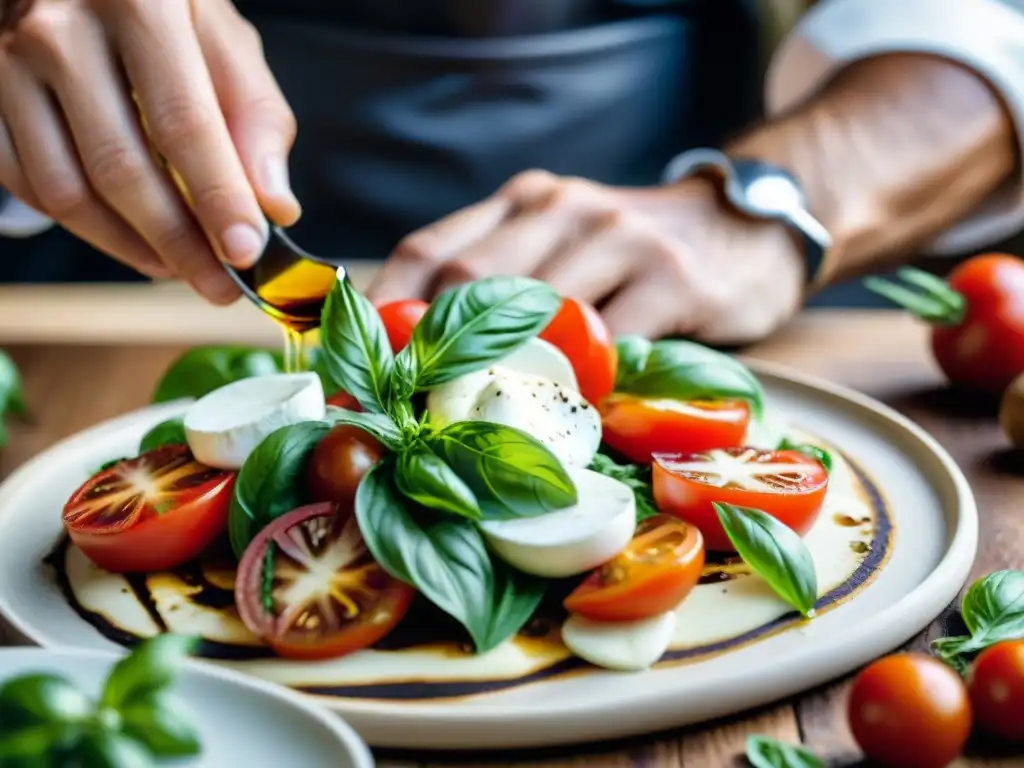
(926, 498)
(241, 720)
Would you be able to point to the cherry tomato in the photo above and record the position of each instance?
(580, 332)
(338, 462)
(342, 399)
(652, 575)
(788, 485)
(910, 711)
(309, 588)
(150, 513)
(996, 685)
(977, 326)
(399, 318)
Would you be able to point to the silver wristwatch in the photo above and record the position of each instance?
(759, 190)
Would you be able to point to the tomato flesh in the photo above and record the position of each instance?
(580, 332)
(788, 485)
(150, 513)
(910, 711)
(996, 685)
(638, 427)
(338, 462)
(652, 575)
(399, 318)
(309, 588)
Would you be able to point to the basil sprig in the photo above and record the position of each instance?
(170, 432)
(683, 370)
(12, 398)
(774, 552)
(636, 476)
(807, 450)
(993, 610)
(764, 752)
(46, 720)
(446, 559)
(201, 370)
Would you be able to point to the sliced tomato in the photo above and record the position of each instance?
(309, 588)
(652, 575)
(581, 333)
(788, 485)
(151, 513)
(342, 399)
(399, 318)
(640, 427)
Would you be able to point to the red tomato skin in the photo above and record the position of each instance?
(692, 501)
(580, 332)
(910, 710)
(160, 543)
(996, 684)
(637, 430)
(399, 318)
(342, 399)
(985, 351)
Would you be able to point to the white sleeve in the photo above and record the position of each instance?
(18, 220)
(985, 35)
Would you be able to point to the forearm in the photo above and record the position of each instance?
(890, 153)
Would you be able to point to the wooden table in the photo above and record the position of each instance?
(883, 354)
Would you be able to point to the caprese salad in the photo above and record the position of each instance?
(471, 453)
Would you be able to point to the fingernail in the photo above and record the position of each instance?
(242, 244)
(278, 183)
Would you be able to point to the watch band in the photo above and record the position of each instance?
(760, 190)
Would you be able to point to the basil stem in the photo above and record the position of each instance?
(774, 552)
(170, 432)
(763, 752)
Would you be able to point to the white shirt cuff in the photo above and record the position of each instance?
(985, 35)
(18, 220)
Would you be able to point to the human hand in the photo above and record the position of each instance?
(657, 261)
(71, 143)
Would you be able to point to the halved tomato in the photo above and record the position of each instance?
(308, 586)
(150, 513)
(652, 575)
(640, 427)
(788, 485)
(581, 333)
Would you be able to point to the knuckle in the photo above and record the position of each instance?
(274, 112)
(528, 185)
(62, 196)
(177, 241)
(667, 255)
(178, 121)
(460, 270)
(44, 34)
(609, 220)
(115, 167)
(418, 248)
(250, 35)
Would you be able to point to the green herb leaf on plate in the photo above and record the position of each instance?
(993, 610)
(444, 557)
(763, 752)
(683, 370)
(633, 352)
(170, 432)
(201, 370)
(104, 748)
(774, 552)
(636, 476)
(12, 398)
(355, 347)
(516, 598)
(269, 483)
(379, 425)
(146, 671)
(472, 325)
(422, 477)
(807, 450)
(38, 746)
(163, 725)
(511, 473)
(39, 699)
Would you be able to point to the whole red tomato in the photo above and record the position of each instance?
(580, 332)
(996, 683)
(976, 315)
(399, 318)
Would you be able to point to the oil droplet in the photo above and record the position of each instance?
(849, 522)
(860, 547)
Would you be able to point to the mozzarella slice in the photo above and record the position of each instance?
(570, 541)
(226, 425)
(625, 646)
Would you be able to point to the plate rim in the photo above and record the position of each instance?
(397, 724)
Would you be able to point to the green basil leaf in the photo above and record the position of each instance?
(774, 552)
(163, 724)
(511, 473)
(108, 464)
(443, 557)
(633, 352)
(422, 477)
(516, 598)
(268, 483)
(763, 752)
(12, 398)
(683, 370)
(148, 669)
(404, 376)
(38, 746)
(379, 425)
(951, 651)
(472, 325)
(41, 699)
(808, 450)
(201, 370)
(108, 749)
(636, 476)
(355, 347)
(170, 432)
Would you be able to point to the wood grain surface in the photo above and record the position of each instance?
(883, 354)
